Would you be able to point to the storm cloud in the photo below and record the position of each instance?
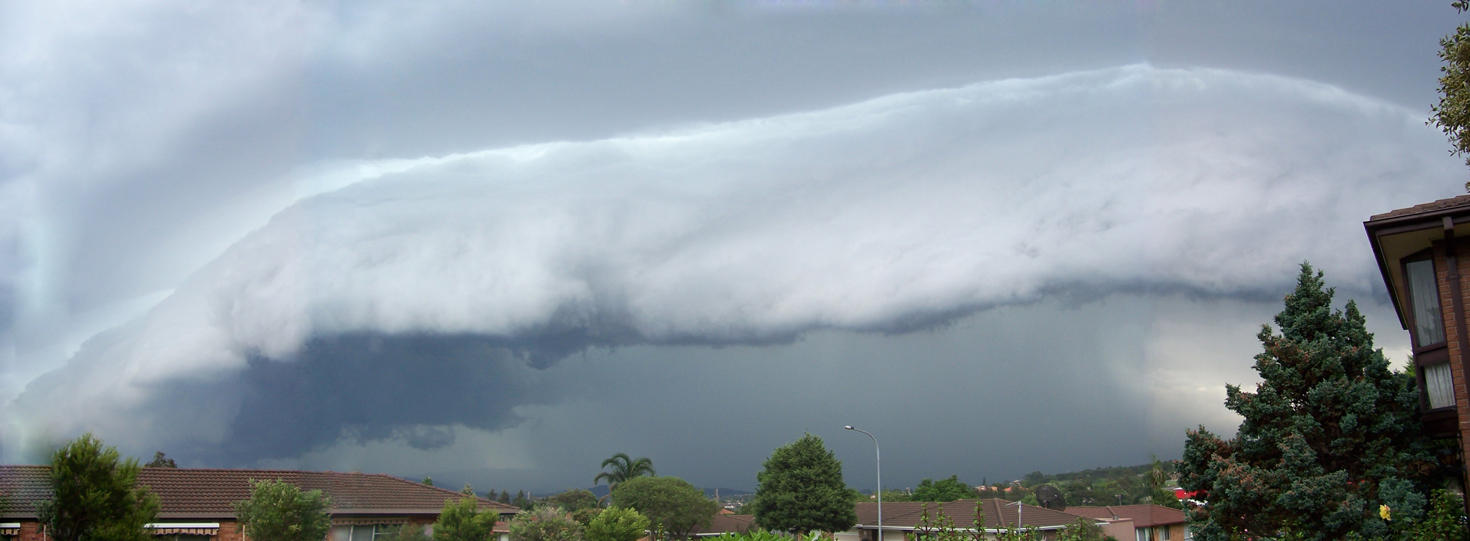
(893, 215)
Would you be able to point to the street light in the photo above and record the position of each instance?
(878, 460)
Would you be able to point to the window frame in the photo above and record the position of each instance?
(1426, 254)
(1425, 354)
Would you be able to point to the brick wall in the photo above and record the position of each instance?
(1452, 333)
(228, 531)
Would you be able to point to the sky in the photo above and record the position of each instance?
(498, 243)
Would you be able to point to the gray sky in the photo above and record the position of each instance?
(501, 243)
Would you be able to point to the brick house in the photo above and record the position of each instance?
(198, 504)
(1418, 249)
(1148, 522)
(902, 521)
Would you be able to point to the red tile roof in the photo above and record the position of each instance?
(998, 514)
(719, 524)
(212, 493)
(1143, 515)
(1441, 206)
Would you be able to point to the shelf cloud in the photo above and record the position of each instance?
(430, 277)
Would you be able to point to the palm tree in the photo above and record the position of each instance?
(623, 469)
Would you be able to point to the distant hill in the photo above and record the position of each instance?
(1111, 472)
(725, 493)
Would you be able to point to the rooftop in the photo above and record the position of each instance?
(998, 514)
(212, 493)
(1143, 515)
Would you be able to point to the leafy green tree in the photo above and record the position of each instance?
(1452, 114)
(673, 505)
(504, 497)
(896, 496)
(462, 520)
(616, 524)
(801, 490)
(1443, 519)
(161, 461)
(94, 496)
(546, 523)
(944, 490)
(468, 490)
(280, 511)
(427, 481)
(574, 500)
(522, 500)
(624, 468)
(1328, 436)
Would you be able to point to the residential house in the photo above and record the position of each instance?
(198, 504)
(903, 521)
(1418, 249)
(1145, 522)
(723, 523)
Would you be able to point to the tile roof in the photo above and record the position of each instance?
(727, 523)
(998, 514)
(201, 493)
(1143, 515)
(1461, 202)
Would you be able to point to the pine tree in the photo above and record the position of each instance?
(1328, 436)
(94, 495)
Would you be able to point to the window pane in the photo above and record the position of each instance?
(1424, 294)
(1438, 384)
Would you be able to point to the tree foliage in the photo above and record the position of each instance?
(1452, 114)
(623, 468)
(280, 511)
(161, 460)
(1328, 436)
(672, 505)
(801, 490)
(546, 523)
(616, 524)
(943, 490)
(574, 500)
(94, 496)
(462, 520)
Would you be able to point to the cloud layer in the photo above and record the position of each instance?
(890, 215)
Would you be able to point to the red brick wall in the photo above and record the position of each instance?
(30, 531)
(1452, 333)
(228, 531)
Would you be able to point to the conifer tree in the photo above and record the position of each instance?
(94, 495)
(801, 490)
(1329, 435)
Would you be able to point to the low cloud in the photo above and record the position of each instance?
(892, 215)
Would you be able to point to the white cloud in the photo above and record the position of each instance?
(884, 215)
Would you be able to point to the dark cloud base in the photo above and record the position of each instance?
(361, 387)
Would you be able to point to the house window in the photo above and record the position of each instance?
(1424, 302)
(367, 532)
(1166, 533)
(182, 537)
(1438, 385)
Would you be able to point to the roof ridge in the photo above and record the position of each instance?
(440, 489)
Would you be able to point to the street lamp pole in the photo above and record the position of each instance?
(877, 460)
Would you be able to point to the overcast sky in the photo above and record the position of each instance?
(498, 243)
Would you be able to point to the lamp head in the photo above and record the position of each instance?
(847, 427)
